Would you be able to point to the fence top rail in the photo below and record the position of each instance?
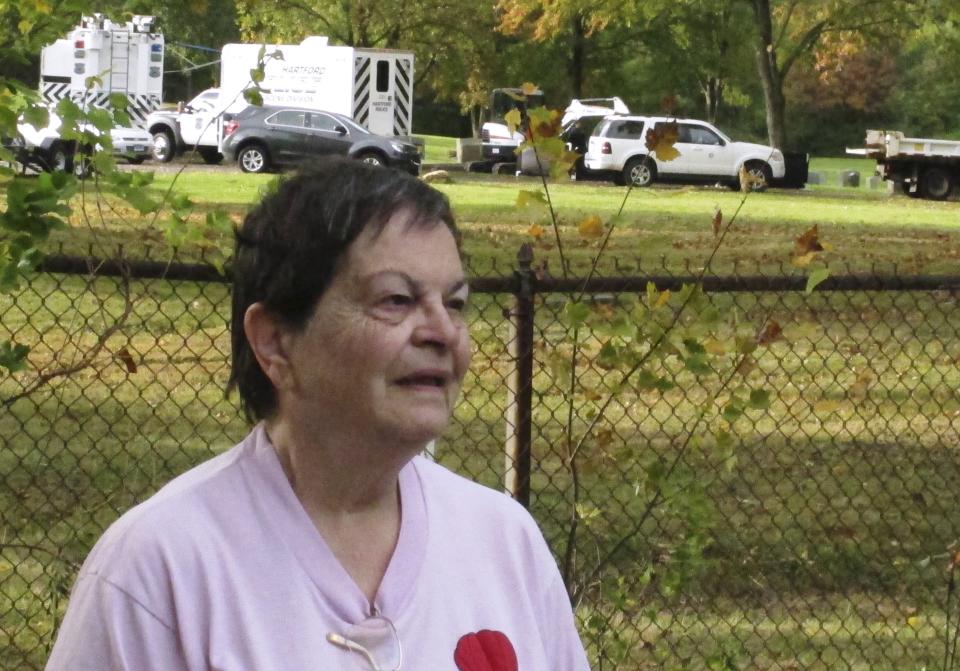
(205, 272)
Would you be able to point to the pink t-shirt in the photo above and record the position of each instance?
(223, 569)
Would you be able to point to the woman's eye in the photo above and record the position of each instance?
(457, 304)
(398, 300)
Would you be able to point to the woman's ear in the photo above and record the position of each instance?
(268, 338)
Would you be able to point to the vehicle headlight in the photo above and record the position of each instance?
(777, 156)
(399, 147)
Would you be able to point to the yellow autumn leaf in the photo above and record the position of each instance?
(662, 299)
(529, 88)
(536, 231)
(913, 620)
(512, 119)
(591, 227)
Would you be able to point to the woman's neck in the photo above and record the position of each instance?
(351, 493)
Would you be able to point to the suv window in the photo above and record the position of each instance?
(625, 129)
(697, 135)
(323, 122)
(293, 118)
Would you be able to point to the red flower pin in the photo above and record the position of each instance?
(485, 650)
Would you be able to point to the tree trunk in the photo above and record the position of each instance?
(770, 75)
(577, 48)
(713, 97)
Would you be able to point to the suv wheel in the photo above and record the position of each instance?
(163, 147)
(759, 175)
(253, 158)
(371, 158)
(639, 171)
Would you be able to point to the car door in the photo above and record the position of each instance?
(327, 134)
(703, 150)
(284, 133)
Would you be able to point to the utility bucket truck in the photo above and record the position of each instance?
(374, 86)
(920, 166)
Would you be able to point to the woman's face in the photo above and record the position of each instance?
(386, 349)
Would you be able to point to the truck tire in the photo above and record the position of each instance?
(936, 183)
(210, 155)
(639, 171)
(164, 146)
(59, 158)
(253, 158)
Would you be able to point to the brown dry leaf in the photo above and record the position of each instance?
(661, 138)
(604, 437)
(859, 389)
(771, 332)
(591, 227)
(717, 222)
(808, 242)
(128, 362)
(591, 394)
(746, 366)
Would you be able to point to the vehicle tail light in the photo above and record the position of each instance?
(231, 127)
(606, 149)
(78, 44)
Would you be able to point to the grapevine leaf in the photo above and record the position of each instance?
(13, 357)
(759, 399)
(817, 275)
(528, 198)
(577, 313)
(253, 97)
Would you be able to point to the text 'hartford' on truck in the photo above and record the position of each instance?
(374, 86)
(920, 167)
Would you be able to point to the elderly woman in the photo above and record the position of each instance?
(323, 541)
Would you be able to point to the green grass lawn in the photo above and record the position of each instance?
(664, 225)
(438, 149)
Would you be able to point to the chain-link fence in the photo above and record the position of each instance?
(763, 479)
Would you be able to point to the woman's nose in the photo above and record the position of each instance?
(438, 326)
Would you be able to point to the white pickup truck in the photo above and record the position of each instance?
(921, 167)
(193, 124)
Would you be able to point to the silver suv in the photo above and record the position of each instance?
(618, 147)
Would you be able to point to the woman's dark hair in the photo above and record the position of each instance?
(290, 245)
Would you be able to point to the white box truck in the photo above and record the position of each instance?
(374, 86)
(126, 57)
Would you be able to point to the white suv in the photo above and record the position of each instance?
(618, 147)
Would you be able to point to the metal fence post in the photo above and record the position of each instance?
(520, 382)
